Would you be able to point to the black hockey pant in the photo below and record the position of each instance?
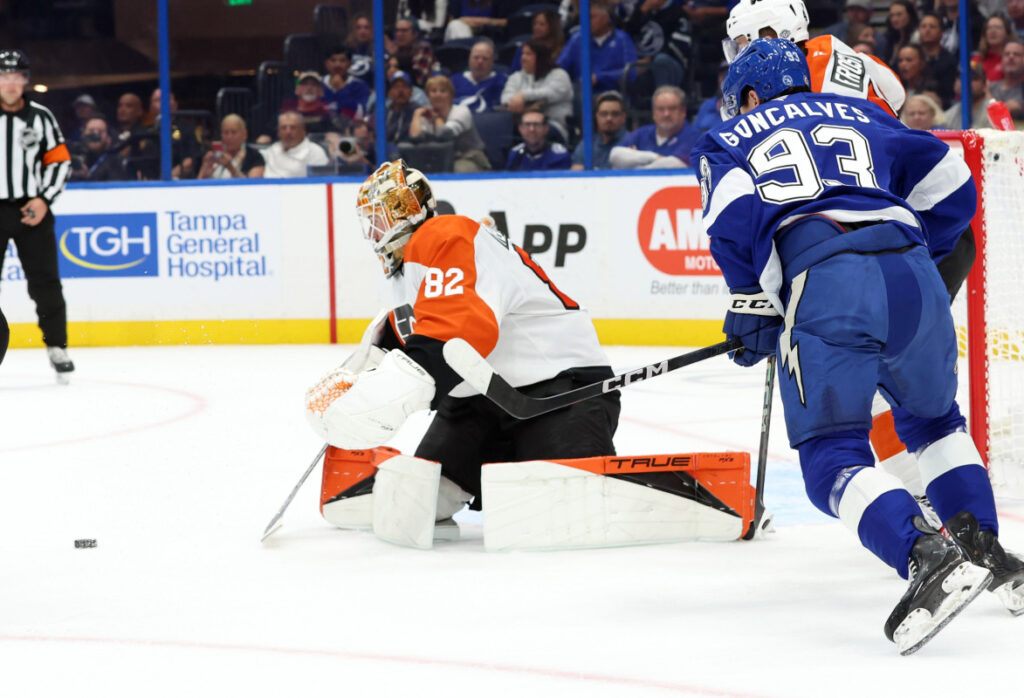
(468, 432)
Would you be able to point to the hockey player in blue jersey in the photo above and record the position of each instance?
(827, 217)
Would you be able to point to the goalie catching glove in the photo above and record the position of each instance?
(363, 410)
(754, 320)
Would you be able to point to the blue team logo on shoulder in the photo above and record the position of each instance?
(107, 244)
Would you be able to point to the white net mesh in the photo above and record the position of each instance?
(1001, 263)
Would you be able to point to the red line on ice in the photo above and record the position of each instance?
(199, 404)
(563, 674)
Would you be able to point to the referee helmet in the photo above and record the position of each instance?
(13, 61)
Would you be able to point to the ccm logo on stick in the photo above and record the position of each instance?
(633, 376)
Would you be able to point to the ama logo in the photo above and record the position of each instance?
(672, 236)
(107, 244)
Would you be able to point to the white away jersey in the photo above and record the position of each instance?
(839, 70)
(463, 278)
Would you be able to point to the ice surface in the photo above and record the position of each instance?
(175, 458)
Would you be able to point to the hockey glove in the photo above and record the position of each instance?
(753, 319)
(375, 404)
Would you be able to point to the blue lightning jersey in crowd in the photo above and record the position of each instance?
(479, 96)
(828, 155)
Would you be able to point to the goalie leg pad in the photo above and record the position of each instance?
(346, 490)
(409, 498)
(610, 501)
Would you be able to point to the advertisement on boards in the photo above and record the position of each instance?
(626, 247)
(179, 252)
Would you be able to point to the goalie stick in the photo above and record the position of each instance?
(474, 369)
(275, 523)
(760, 522)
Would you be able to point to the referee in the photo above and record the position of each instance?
(34, 166)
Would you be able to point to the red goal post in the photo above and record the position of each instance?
(989, 313)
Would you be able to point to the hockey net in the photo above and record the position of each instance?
(989, 315)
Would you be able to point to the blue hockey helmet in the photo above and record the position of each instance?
(767, 66)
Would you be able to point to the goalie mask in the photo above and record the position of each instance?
(787, 18)
(392, 203)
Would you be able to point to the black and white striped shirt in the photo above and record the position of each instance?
(34, 161)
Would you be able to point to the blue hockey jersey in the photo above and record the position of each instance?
(829, 155)
(479, 96)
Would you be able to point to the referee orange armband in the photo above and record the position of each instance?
(58, 154)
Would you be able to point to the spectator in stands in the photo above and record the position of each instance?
(232, 159)
(187, 136)
(710, 113)
(546, 28)
(706, 15)
(1011, 88)
(344, 94)
(899, 29)
(536, 152)
(309, 103)
(665, 143)
(476, 16)
(662, 30)
(415, 55)
(979, 102)
(949, 14)
(914, 73)
(864, 35)
(611, 50)
(141, 152)
(445, 121)
(400, 111)
(431, 15)
(97, 163)
(360, 39)
(479, 88)
(129, 115)
(857, 12)
(293, 153)
(418, 98)
(940, 63)
(1015, 11)
(540, 83)
(359, 150)
(990, 47)
(610, 117)
(921, 112)
(85, 109)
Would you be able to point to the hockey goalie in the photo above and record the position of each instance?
(450, 276)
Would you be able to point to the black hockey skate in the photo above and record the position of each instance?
(61, 363)
(942, 583)
(983, 548)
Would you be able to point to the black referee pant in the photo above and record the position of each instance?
(37, 250)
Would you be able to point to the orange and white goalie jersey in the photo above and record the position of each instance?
(464, 278)
(838, 69)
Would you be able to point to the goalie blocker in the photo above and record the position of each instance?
(545, 504)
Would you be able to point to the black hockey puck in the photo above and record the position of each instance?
(85, 543)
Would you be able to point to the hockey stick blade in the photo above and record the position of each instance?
(474, 369)
(275, 523)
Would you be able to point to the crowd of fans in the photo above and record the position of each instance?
(649, 72)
